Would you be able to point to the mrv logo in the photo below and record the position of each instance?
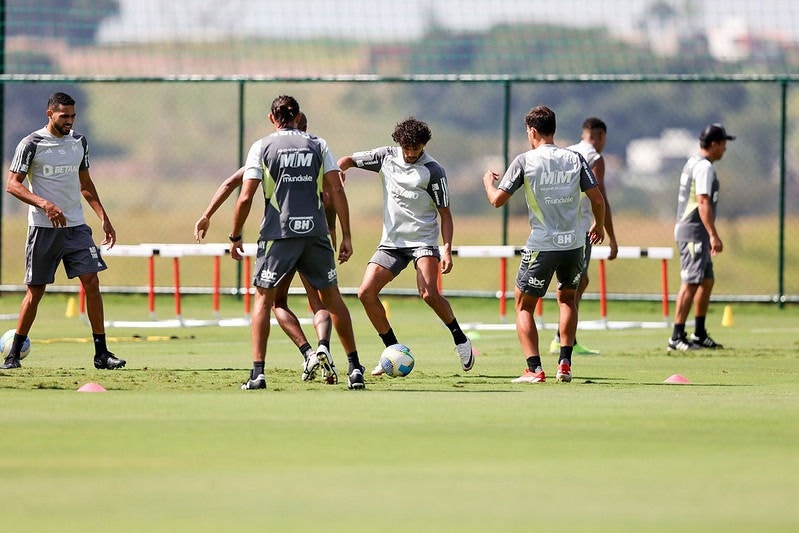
(301, 224)
(296, 159)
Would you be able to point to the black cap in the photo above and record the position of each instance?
(715, 132)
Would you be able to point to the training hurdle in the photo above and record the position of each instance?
(175, 252)
(598, 253)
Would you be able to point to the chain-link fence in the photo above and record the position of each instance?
(160, 146)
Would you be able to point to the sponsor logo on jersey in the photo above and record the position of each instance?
(296, 159)
(559, 201)
(52, 170)
(301, 224)
(286, 178)
(555, 178)
(564, 240)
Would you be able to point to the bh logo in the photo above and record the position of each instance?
(301, 224)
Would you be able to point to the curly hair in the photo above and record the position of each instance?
(411, 133)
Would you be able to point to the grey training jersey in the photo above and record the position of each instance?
(591, 156)
(52, 165)
(698, 177)
(291, 165)
(412, 194)
(553, 179)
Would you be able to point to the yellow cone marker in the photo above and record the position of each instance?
(72, 308)
(726, 319)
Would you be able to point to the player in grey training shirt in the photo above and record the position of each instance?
(415, 194)
(553, 180)
(697, 238)
(55, 162)
(291, 165)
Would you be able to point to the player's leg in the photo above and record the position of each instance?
(286, 318)
(532, 279)
(700, 336)
(82, 259)
(323, 325)
(427, 269)
(374, 279)
(27, 314)
(692, 268)
(259, 336)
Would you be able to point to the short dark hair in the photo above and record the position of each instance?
(411, 133)
(59, 99)
(284, 109)
(302, 124)
(594, 123)
(542, 119)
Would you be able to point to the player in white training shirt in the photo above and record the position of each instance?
(415, 195)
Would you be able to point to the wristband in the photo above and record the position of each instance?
(236, 238)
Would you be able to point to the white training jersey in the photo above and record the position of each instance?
(553, 179)
(52, 165)
(412, 195)
(591, 156)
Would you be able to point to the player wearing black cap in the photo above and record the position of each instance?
(697, 238)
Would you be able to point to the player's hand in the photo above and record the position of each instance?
(490, 177)
(446, 263)
(110, 235)
(201, 228)
(55, 215)
(345, 250)
(716, 246)
(596, 234)
(614, 250)
(237, 250)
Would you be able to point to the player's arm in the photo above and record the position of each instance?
(342, 208)
(240, 213)
(597, 231)
(496, 197)
(225, 189)
(599, 173)
(89, 192)
(705, 209)
(330, 212)
(15, 186)
(447, 233)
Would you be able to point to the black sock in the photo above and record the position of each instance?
(457, 334)
(16, 345)
(257, 368)
(388, 338)
(679, 332)
(352, 358)
(566, 354)
(305, 348)
(99, 343)
(325, 343)
(533, 362)
(699, 328)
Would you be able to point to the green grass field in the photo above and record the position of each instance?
(174, 445)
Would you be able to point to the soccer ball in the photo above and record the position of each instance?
(397, 361)
(8, 339)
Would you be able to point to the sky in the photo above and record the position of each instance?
(145, 20)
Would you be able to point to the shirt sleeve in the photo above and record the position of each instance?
(370, 159)
(703, 178)
(587, 178)
(513, 177)
(438, 188)
(253, 166)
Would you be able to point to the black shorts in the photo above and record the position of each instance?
(48, 247)
(537, 268)
(396, 259)
(310, 256)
